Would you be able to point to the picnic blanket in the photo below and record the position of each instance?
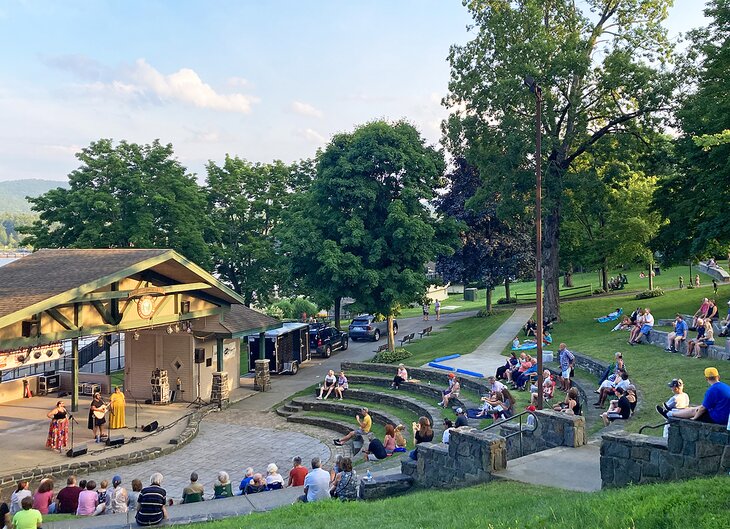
(525, 346)
(610, 317)
(471, 413)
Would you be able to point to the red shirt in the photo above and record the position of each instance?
(297, 475)
(68, 497)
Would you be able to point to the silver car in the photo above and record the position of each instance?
(366, 328)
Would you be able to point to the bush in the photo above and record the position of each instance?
(484, 313)
(300, 305)
(284, 305)
(650, 293)
(275, 312)
(386, 357)
(597, 291)
(506, 301)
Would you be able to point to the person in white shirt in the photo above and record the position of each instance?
(21, 492)
(316, 484)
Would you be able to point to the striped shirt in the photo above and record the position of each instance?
(150, 504)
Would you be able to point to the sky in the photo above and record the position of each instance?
(258, 79)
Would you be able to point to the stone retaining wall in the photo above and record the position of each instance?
(587, 363)
(659, 339)
(693, 449)
(553, 429)
(431, 392)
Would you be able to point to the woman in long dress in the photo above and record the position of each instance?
(58, 429)
(117, 418)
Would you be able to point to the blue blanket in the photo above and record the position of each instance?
(610, 317)
(525, 347)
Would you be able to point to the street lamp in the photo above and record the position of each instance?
(531, 83)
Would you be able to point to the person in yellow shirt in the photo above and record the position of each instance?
(365, 423)
(118, 405)
(28, 518)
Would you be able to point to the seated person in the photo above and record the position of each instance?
(68, 497)
(521, 381)
(701, 312)
(422, 433)
(712, 311)
(571, 404)
(618, 409)
(364, 425)
(530, 327)
(247, 478)
(678, 401)
(448, 427)
(700, 335)
(548, 387)
(676, 337)
(400, 440)
(511, 363)
(707, 339)
(461, 419)
(515, 368)
(329, 384)
(452, 392)
(636, 330)
(222, 487)
(715, 407)
(725, 324)
(342, 385)
(26, 518)
(613, 370)
(194, 491)
(622, 381)
(632, 397)
(623, 325)
(297, 473)
(256, 485)
(274, 481)
(492, 404)
(401, 375)
(375, 450)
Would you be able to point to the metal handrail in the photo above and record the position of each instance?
(518, 432)
(650, 426)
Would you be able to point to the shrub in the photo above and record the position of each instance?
(484, 313)
(650, 293)
(300, 305)
(275, 312)
(386, 357)
(506, 301)
(597, 291)
(284, 305)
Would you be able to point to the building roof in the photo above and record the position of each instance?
(48, 278)
(241, 320)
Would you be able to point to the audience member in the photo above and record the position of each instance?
(700, 327)
(222, 487)
(701, 313)
(676, 337)
(256, 485)
(422, 433)
(134, 495)
(548, 387)
(102, 492)
(29, 517)
(68, 497)
(375, 450)
(461, 419)
(6, 521)
(389, 440)
(712, 311)
(88, 500)
(400, 440)
(618, 409)
(316, 484)
(151, 508)
(22, 491)
(297, 473)
(345, 485)
(725, 324)
(448, 427)
(117, 499)
(43, 497)
(678, 401)
(401, 376)
(511, 363)
(567, 361)
(571, 404)
(342, 385)
(707, 339)
(247, 477)
(610, 388)
(364, 425)
(452, 392)
(715, 407)
(530, 327)
(329, 384)
(274, 481)
(194, 491)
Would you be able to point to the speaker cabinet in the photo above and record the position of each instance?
(77, 451)
(115, 440)
(199, 356)
(151, 427)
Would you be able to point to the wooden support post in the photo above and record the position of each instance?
(219, 354)
(75, 364)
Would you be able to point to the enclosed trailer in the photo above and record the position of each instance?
(286, 348)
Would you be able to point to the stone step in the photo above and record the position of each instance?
(291, 407)
(349, 410)
(433, 393)
(281, 411)
(385, 486)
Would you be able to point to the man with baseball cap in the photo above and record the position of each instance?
(461, 419)
(715, 406)
(678, 401)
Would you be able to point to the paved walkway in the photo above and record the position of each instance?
(567, 468)
(488, 357)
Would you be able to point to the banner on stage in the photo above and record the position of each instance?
(26, 356)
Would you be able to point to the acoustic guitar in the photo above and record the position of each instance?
(101, 412)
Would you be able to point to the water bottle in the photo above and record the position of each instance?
(369, 476)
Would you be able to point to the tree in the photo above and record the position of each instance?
(493, 251)
(695, 198)
(363, 229)
(128, 195)
(245, 204)
(600, 66)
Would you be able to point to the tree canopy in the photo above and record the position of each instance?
(121, 196)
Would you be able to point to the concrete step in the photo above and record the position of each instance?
(549, 468)
(385, 486)
(283, 412)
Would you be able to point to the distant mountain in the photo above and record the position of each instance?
(13, 193)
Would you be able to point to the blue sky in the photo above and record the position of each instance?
(259, 79)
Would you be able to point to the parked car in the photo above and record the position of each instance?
(365, 327)
(324, 339)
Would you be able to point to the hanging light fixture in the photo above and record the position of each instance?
(135, 336)
(177, 327)
(100, 340)
(169, 329)
(190, 328)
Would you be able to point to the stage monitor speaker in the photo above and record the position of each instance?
(151, 427)
(199, 356)
(77, 451)
(115, 440)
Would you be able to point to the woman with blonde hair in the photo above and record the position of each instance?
(274, 481)
(707, 339)
(329, 385)
(222, 487)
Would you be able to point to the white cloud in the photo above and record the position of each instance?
(312, 136)
(63, 149)
(305, 109)
(238, 82)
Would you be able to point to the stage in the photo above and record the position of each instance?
(24, 428)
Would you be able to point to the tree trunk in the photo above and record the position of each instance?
(338, 308)
(551, 265)
(506, 288)
(391, 335)
(604, 276)
(489, 298)
(568, 278)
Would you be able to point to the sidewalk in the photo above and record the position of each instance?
(488, 357)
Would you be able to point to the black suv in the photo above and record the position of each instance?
(323, 339)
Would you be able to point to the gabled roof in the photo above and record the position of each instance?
(241, 320)
(48, 278)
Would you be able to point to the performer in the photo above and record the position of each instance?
(117, 403)
(58, 430)
(97, 411)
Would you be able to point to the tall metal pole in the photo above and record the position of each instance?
(538, 239)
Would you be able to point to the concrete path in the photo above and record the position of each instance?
(488, 357)
(563, 467)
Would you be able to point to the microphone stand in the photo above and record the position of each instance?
(73, 421)
(136, 406)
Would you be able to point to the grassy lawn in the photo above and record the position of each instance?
(461, 336)
(669, 278)
(700, 503)
(649, 366)
(117, 379)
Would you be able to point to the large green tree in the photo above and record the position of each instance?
(600, 66)
(695, 199)
(246, 202)
(121, 196)
(364, 228)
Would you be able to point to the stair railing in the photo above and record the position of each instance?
(521, 430)
(652, 426)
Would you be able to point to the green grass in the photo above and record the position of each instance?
(461, 336)
(700, 503)
(58, 517)
(649, 367)
(669, 278)
(117, 379)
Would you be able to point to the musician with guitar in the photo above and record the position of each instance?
(97, 416)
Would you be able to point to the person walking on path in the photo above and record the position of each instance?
(437, 308)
